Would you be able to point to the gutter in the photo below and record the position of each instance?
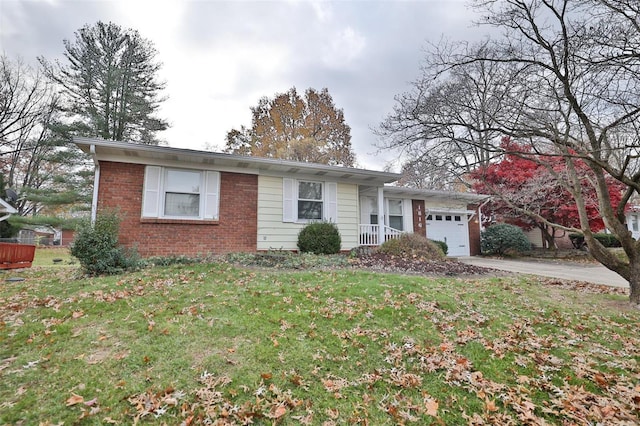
(96, 184)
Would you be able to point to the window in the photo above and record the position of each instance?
(180, 194)
(373, 216)
(395, 215)
(310, 204)
(305, 201)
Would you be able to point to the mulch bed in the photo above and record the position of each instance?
(415, 265)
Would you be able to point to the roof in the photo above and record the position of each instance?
(6, 207)
(433, 195)
(126, 152)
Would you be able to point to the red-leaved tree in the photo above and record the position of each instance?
(529, 192)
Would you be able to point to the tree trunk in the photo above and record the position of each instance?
(548, 239)
(634, 283)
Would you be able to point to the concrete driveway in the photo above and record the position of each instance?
(589, 272)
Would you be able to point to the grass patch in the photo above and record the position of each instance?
(214, 342)
(53, 256)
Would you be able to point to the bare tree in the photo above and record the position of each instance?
(24, 98)
(444, 126)
(572, 91)
(35, 159)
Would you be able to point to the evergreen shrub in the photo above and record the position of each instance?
(503, 239)
(319, 238)
(96, 247)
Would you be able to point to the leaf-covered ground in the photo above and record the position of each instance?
(218, 344)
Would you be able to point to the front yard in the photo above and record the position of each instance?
(215, 342)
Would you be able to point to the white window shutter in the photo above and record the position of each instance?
(212, 195)
(288, 200)
(331, 202)
(151, 191)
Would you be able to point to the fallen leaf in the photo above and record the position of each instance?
(600, 380)
(278, 411)
(490, 406)
(74, 399)
(432, 407)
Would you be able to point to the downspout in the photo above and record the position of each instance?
(96, 185)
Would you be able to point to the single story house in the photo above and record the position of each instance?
(175, 201)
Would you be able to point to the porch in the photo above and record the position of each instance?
(372, 235)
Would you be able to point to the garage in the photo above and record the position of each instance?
(452, 227)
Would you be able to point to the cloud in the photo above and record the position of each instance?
(343, 48)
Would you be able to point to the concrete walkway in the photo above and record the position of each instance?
(588, 272)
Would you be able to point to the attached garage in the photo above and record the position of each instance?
(452, 227)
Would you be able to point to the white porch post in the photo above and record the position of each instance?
(381, 216)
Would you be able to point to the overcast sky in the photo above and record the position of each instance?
(220, 57)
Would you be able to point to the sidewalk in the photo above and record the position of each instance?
(593, 273)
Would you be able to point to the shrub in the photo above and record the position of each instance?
(503, 239)
(96, 247)
(319, 238)
(444, 246)
(412, 245)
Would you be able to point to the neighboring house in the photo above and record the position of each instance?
(176, 201)
(536, 239)
(633, 220)
(43, 235)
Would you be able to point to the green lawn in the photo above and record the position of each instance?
(213, 342)
(45, 256)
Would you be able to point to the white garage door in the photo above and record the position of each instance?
(452, 228)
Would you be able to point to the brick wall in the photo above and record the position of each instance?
(419, 217)
(120, 190)
(474, 231)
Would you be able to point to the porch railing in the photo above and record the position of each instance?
(369, 234)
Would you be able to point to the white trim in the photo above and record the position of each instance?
(289, 205)
(468, 213)
(7, 208)
(155, 189)
(331, 202)
(125, 152)
(96, 184)
(211, 208)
